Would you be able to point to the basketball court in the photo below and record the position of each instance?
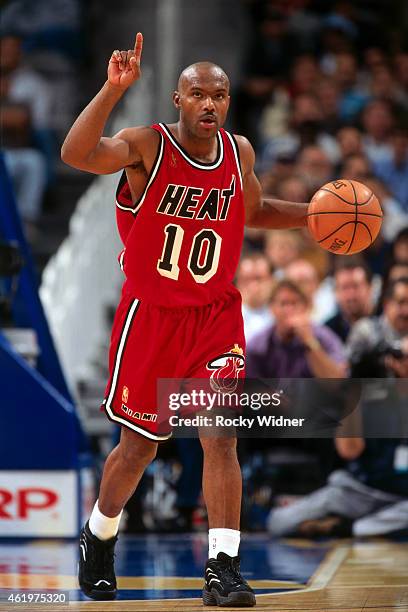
(164, 573)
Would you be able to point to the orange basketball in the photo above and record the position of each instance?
(344, 217)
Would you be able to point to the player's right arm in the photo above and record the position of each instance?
(85, 147)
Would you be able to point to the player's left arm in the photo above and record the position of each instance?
(265, 212)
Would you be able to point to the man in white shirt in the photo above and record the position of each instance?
(254, 281)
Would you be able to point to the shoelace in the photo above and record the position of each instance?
(230, 572)
(101, 560)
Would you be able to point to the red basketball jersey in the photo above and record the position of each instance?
(183, 236)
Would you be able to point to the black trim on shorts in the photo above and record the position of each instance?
(131, 426)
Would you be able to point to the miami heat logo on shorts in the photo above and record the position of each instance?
(225, 370)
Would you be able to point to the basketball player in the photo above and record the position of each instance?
(185, 194)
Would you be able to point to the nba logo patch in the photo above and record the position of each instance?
(125, 395)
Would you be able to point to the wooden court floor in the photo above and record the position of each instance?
(353, 577)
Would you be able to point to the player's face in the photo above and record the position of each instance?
(203, 105)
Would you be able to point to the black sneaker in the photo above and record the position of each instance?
(96, 573)
(224, 585)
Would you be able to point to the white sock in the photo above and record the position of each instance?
(223, 540)
(103, 527)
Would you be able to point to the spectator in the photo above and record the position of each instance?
(353, 291)
(357, 167)
(319, 294)
(374, 58)
(397, 271)
(292, 189)
(54, 26)
(304, 24)
(400, 246)
(306, 130)
(350, 141)
(394, 169)
(318, 257)
(294, 347)
(395, 216)
(268, 59)
(282, 169)
(353, 98)
(328, 95)
(305, 76)
(401, 67)
(335, 40)
(385, 87)
(26, 164)
(377, 122)
(378, 346)
(26, 87)
(282, 247)
(367, 498)
(315, 167)
(254, 281)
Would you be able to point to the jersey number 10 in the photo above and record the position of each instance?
(201, 267)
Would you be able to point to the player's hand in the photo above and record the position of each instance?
(124, 66)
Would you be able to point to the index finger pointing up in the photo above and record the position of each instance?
(138, 46)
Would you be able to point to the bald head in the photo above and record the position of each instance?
(202, 72)
(202, 99)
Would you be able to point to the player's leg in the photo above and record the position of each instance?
(219, 358)
(137, 359)
(222, 489)
(210, 349)
(122, 472)
(222, 486)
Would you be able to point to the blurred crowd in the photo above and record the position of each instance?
(324, 95)
(40, 47)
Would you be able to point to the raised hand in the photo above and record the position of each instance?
(124, 66)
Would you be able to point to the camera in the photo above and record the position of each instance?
(371, 363)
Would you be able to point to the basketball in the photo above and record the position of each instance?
(344, 217)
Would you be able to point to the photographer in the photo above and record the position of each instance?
(378, 346)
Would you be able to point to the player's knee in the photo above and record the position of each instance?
(220, 447)
(136, 451)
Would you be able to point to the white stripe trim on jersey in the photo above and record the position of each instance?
(121, 258)
(153, 174)
(190, 160)
(109, 399)
(234, 148)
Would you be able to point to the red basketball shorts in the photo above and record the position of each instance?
(152, 342)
